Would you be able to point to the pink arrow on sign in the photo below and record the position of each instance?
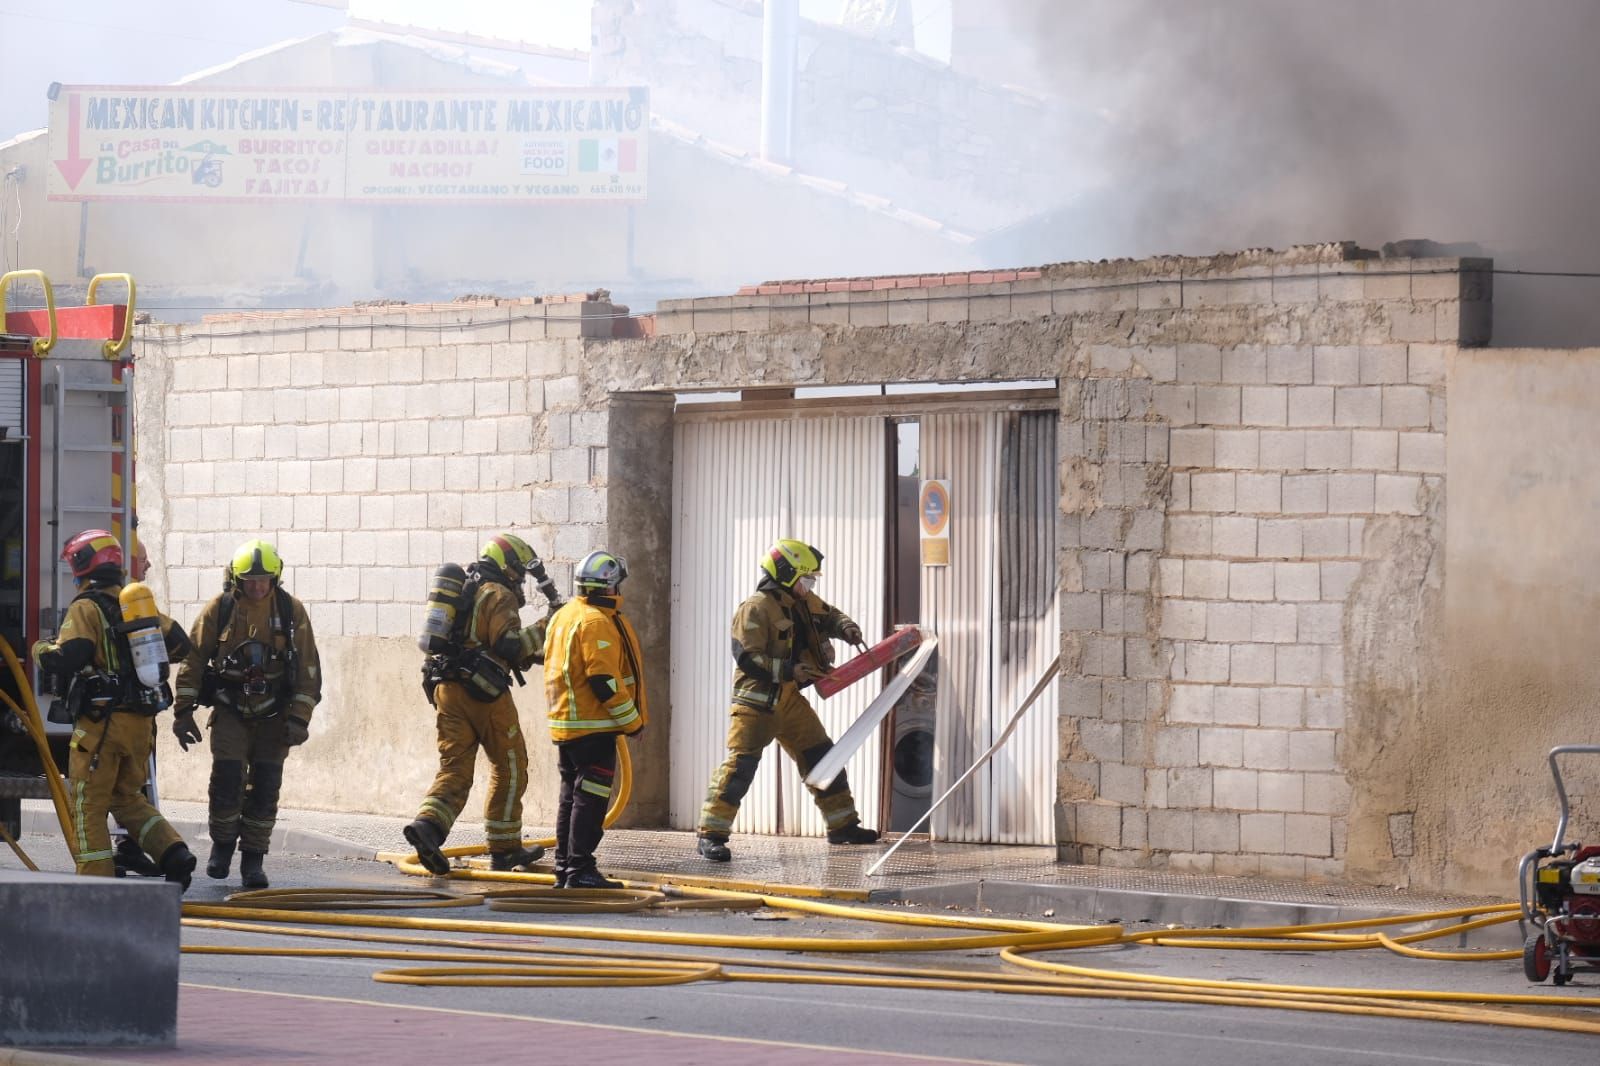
(73, 167)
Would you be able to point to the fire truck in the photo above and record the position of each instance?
(66, 464)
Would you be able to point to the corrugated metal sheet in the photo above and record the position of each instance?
(738, 486)
(1028, 631)
(994, 611)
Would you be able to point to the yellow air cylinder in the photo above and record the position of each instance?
(142, 623)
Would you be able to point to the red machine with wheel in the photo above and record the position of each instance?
(1559, 888)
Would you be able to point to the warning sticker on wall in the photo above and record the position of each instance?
(933, 510)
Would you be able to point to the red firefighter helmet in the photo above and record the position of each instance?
(90, 550)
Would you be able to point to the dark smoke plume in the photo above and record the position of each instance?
(1235, 123)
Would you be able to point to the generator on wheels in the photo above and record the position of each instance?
(1559, 889)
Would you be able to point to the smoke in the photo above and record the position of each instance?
(1234, 123)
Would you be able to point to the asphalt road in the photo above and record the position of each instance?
(804, 1021)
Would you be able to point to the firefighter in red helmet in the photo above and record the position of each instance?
(111, 707)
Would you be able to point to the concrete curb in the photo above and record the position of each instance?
(284, 838)
(24, 1057)
(1132, 907)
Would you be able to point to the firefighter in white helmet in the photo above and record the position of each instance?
(780, 646)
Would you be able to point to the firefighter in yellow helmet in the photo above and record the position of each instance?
(468, 681)
(255, 663)
(780, 646)
(112, 708)
(594, 682)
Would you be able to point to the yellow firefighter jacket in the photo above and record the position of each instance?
(592, 672)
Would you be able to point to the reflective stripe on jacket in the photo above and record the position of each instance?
(588, 641)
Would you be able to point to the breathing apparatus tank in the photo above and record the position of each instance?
(444, 603)
(142, 624)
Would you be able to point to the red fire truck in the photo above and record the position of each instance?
(66, 464)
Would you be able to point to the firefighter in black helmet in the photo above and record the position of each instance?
(780, 645)
(255, 663)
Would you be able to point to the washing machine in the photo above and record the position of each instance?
(911, 753)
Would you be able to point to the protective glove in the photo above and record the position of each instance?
(852, 634)
(186, 729)
(805, 675)
(41, 648)
(296, 731)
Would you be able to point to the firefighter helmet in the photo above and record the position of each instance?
(256, 558)
(91, 550)
(511, 554)
(790, 560)
(600, 570)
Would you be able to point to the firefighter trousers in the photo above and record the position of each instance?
(588, 767)
(465, 725)
(108, 764)
(795, 726)
(247, 757)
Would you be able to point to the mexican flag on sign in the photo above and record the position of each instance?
(608, 155)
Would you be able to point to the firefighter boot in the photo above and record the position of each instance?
(177, 865)
(426, 837)
(129, 859)
(714, 849)
(221, 860)
(590, 878)
(251, 875)
(502, 861)
(854, 833)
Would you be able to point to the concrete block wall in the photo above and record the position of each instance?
(370, 446)
(1252, 447)
(1252, 478)
(1279, 459)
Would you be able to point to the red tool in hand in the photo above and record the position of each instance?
(872, 659)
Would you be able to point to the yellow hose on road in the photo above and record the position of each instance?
(512, 964)
(548, 966)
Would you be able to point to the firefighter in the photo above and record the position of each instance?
(112, 709)
(594, 682)
(255, 663)
(469, 685)
(780, 646)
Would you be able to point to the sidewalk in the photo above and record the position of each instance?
(1024, 881)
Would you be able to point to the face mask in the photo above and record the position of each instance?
(805, 585)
